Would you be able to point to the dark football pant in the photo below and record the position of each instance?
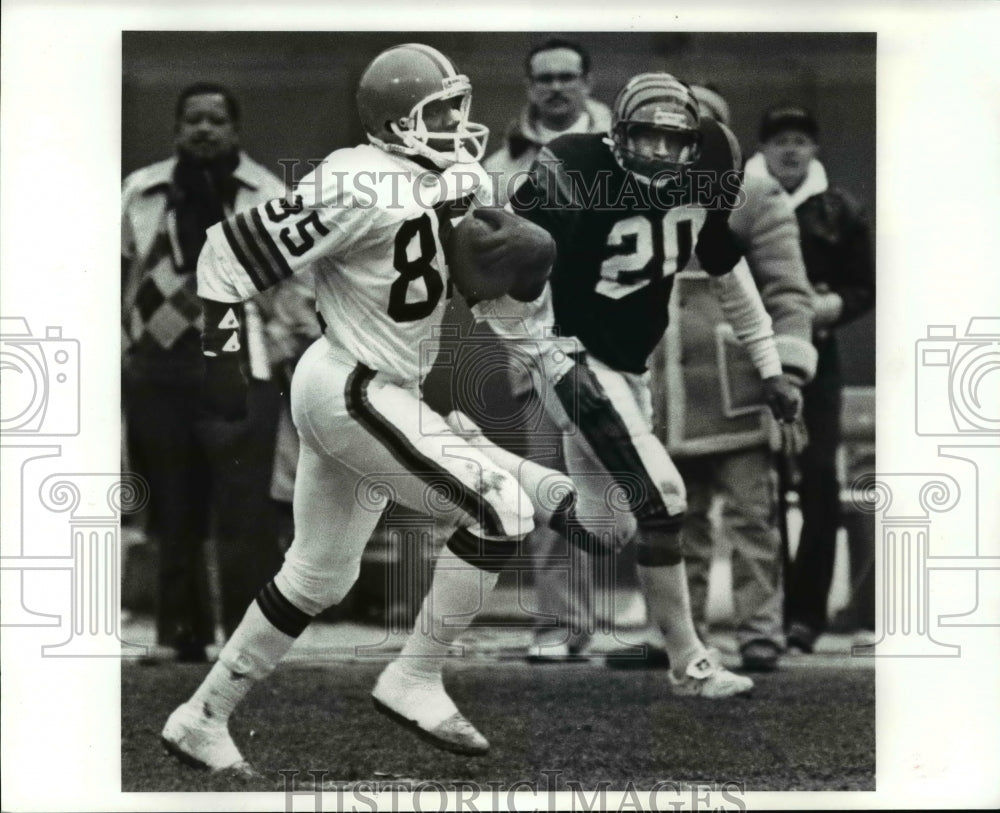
(205, 477)
(808, 583)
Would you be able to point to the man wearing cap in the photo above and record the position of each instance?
(717, 429)
(837, 249)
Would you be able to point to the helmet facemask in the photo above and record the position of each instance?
(465, 145)
(651, 104)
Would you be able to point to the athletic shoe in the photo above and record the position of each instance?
(760, 655)
(541, 651)
(801, 637)
(198, 741)
(405, 698)
(707, 677)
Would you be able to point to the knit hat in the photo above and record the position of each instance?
(788, 117)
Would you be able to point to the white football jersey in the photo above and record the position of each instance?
(530, 327)
(370, 225)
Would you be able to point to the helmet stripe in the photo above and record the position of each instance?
(650, 88)
(440, 60)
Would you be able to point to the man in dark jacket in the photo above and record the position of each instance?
(206, 477)
(837, 250)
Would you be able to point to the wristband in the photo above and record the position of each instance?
(223, 325)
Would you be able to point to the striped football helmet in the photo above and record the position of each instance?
(394, 90)
(661, 102)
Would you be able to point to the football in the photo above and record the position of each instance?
(493, 252)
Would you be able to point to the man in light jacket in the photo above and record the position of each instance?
(557, 75)
(558, 85)
(718, 431)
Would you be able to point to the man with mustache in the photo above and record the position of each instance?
(558, 85)
(558, 80)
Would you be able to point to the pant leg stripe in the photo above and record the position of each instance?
(408, 456)
(607, 434)
(487, 554)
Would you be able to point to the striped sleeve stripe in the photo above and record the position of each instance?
(250, 241)
(237, 248)
(265, 237)
(284, 615)
(408, 456)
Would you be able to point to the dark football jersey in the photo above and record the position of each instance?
(619, 242)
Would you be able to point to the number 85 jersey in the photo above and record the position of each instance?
(370, 226)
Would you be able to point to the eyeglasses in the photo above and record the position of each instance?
(549, 78)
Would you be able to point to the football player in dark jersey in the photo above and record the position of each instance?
(626, 211)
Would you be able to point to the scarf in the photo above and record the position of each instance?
(201, 194)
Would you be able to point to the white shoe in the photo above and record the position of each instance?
(424, 707)
(198, 741)
(706, 677)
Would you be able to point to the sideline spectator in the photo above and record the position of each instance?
(719, 431)
(558, 85)
(837, 249)
(206, 477)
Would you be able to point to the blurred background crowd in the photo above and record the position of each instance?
(220, 515)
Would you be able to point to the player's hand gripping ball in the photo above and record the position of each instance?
(494, 252)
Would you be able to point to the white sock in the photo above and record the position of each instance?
(669, 607)
(458, 591)
(412, 685)
(249, 656)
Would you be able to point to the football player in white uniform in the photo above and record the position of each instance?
(626, 212)
(371, 224)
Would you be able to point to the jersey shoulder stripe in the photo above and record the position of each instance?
(253, 247)
(265, 238)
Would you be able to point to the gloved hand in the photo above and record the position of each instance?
(225, 389)
(718, 249)
(784, 397)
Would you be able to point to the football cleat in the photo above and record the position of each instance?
(425, 709)
(201, 743)
(454, 734)
(706, 677)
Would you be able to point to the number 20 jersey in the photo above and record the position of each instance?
(619, 242)
(370, 226)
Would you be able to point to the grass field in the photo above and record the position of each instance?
(806, 728)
